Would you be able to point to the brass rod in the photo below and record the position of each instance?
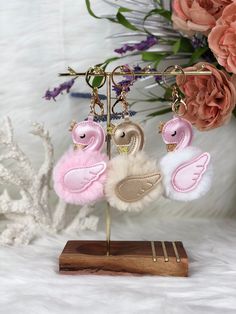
(166, 258)
(108, 209)
(171, 73)
(176, 252)
(154, 254)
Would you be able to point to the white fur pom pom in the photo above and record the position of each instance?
(124, 166)
(170, 162)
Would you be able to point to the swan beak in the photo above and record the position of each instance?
(171, 147)
(79, 146)
(123, 149)
(72, 125)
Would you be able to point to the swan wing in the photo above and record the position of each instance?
(134, 188)
(188, 175)
(79, 179)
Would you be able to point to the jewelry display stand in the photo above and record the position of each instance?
(124, 257)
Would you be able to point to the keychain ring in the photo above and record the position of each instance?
(123, 68)
(122, 99)
(95, 70)
(176, 105)
(174, 68)
(93, 110)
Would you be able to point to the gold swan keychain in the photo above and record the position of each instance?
(133, 180)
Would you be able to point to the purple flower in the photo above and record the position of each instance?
(123, 85)
(157, 78)
(128, 81)
(141, 46)
(52, 94)
(199, 42)
(124, 49)
(146, 44)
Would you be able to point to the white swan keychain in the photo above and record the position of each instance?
(133, 179)
(186, 170)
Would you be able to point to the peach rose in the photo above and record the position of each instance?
(210, 99)
(223, 2)
(222, 39)
(191, 16)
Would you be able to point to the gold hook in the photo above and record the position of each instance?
(95, 101)
(123, 87)
(177, 101)
(125, 105)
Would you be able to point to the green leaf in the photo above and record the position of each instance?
(97, 80)
(234, 112)
(165, 13)
(90, 11)
(182, 45)
(123, 21)
(123, 9)
(153, 56)
(107, 61)
(160, 99)
(159, 112)
(197, 54)
(168, 93)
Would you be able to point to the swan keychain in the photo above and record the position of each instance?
(80, 173)
(133, 180)
(186, 170)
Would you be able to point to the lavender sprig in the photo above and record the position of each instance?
(113, 116)
(129, 80)
(141, 46)
(66, 86)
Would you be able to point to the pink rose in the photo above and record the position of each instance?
(222, 39)
(191, 16)
(210, 99)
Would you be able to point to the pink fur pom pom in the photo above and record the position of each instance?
(80, 166)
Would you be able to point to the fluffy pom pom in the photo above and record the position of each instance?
(78, 159)
(124, 166)
(170, 162)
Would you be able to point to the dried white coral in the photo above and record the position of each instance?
(32, 213)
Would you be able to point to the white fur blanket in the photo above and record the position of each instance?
(29, 282)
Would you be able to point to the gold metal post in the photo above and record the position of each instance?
(108, 209)
(171, 73)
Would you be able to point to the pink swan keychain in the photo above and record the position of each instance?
(80, 174)
(187, 172)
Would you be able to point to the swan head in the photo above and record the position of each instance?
(177, 134)
(88, 135)
(128, 137)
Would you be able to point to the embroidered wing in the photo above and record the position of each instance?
(188, 175)
(134, 188)
(79, 179)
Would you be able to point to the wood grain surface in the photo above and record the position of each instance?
(126, 258)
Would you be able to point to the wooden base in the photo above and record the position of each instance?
(126, 258)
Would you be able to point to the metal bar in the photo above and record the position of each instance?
(154, 255)
(166, 258)
(176, 252)
(171, 73)
(108, 209)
